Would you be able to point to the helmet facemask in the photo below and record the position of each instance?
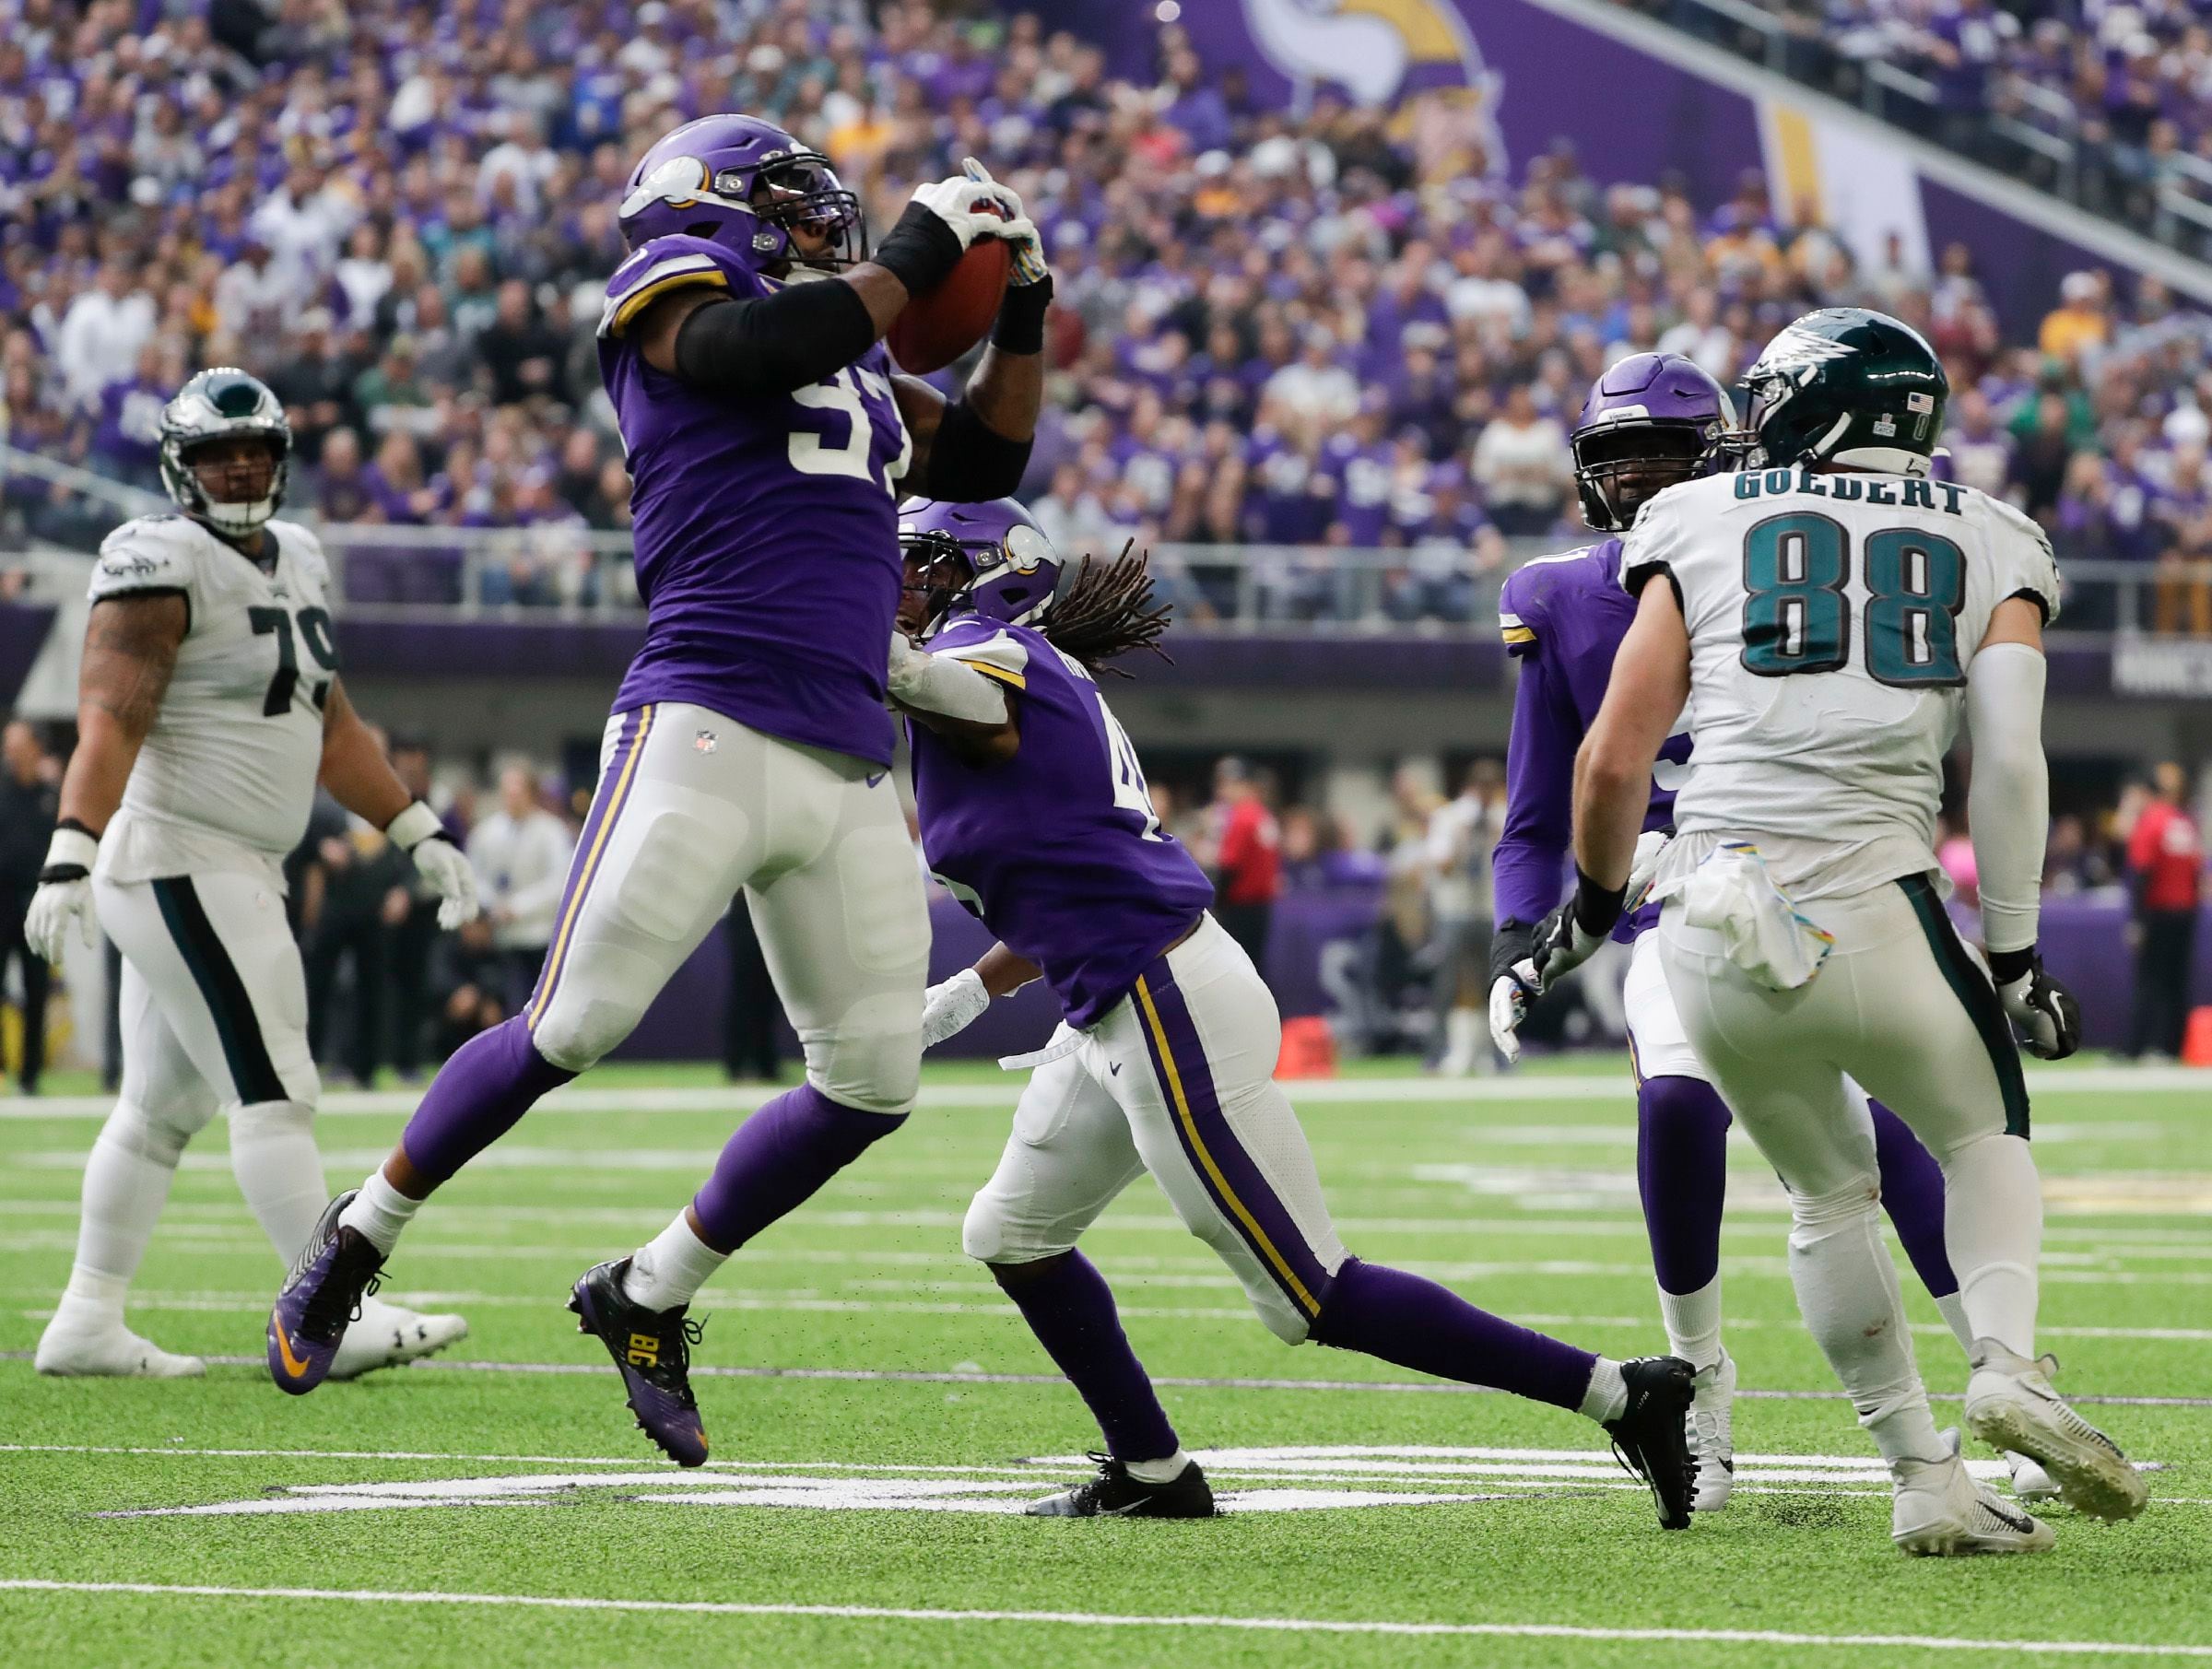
(800, 194)
(1619, 467)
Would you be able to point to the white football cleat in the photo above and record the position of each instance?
(2029, 1481)
(1712, 1435)
(386, 1336)
(78, 1345)
(2010, 1407)
(1940, 1511)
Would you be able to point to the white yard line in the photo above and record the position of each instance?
(1571, 1086)
(1186, 1382)
(1100, 1619)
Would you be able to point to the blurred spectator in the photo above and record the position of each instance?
(469, 978)
(1242, 848)
(1462, 834)
(414, 936)
(103, 332)
(1522, 466)
(521, 853)
(362, 894)
(2166, 866)
(750, 1053)
(29, 802)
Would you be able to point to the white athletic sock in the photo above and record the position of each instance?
(1158, 1472)
(1993, 1226)
(1693, 1323)
(378, 1211)
(1608, 1397)
(273, 1155)
(1952, 1308)
(1847, 1288)
(127, 1183)
(669, 1269)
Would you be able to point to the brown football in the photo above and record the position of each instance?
(935, 329)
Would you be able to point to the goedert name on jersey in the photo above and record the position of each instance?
(1831, 618)
(227, 776)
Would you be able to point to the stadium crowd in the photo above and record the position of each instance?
(1338, 330)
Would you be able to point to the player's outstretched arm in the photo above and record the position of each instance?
(2009, 817)
(131, 645)
(952, 1006)
(361, 780)
(802, 332)
(970, 711)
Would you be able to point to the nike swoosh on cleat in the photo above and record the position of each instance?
(1116, 1513)
(292, 1364)
(1114, 1069)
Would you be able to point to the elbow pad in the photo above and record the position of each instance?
(772, 343)
(2008, 802)
(941, 684)
(970, 460)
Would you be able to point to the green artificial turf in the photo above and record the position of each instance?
(1520, 1196)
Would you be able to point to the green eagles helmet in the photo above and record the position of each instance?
(215, 405)
(1848, 385)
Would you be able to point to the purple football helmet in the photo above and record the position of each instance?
(747, 185)
(1651, 422)
(990, 559)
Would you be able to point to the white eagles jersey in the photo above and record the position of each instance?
(227, 777)
(1832, 619)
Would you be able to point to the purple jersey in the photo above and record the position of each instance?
(767, 530)
(1563, 620)
(1057, 850)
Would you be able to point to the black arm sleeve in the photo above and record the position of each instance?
(970, 460)
(771, 345)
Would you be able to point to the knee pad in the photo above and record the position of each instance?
(259, 1119)
(574, 1033)
(159, 1137)
(1814, 1216)
(990, 1234)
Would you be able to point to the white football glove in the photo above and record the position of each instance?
(1509, 1007)
(65, 895)
(1018, 232)
(972, 208)
(2047, 1016)
(417, 833)
(1643, 870)
(952, 1006)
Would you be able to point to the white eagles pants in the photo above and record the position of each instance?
(212, 1004)
(1178, 1079)
(691, 807)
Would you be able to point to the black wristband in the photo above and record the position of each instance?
(1514, 942)
(921, 251)
(1021, 327)
(1595, 907)
(2005, 965)
(80, 828)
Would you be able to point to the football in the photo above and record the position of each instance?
(938, 328)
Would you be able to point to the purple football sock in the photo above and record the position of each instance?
(1912, 1196)
(1070, 1309)
(1416, 1323)
(1682, 1174)
(490, 1082)
(776, 1159)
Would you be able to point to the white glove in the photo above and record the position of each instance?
(972, 208)
(65, 895)
(1643, 869)
(1018, 232)
(417, 833)
(2045, 1012)
(952, 1006)
(1509, 1007)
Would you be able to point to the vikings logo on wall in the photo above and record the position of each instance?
(1377, 51)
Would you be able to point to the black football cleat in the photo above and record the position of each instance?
(1114, 1494)
(652, 1349)
(1650, 1437)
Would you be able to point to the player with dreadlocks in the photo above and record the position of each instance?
(1034, 815)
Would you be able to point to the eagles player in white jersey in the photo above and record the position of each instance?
(208, 707)
(1836, 613)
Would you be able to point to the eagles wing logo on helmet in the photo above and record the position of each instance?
(1796, 352)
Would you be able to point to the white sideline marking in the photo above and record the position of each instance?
(908, 1376)
(1101, 1619)
(1565, 1087)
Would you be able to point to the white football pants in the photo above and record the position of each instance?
(1178, 1079)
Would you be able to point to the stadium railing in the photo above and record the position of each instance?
(2027, 130)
